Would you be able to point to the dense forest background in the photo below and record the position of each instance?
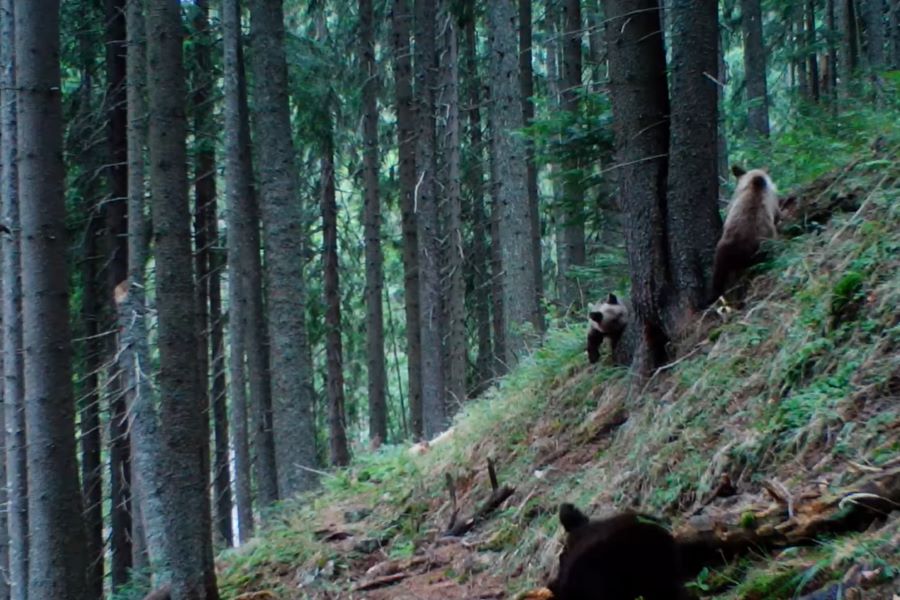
(247, 242)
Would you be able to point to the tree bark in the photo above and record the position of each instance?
(81, 144)
(640, 105)
(426, 203)
(116, 257)
(293, 416)
(244, 300)
(520, 310)
(693, 223)
(375, 366)
(812, 60)
(455, 352)
(4, 519)
(13, 391)
(872, 13)
(334, 351)
(571, 213)
(171, 445)
(755, 68)
(526, 76)
(57, 562)
(477, 256)
(205, 230)
(846, 55)
(135, 354)
(401, 18)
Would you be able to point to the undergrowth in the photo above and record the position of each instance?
(800, 385)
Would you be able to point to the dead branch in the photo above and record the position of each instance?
(498, 496)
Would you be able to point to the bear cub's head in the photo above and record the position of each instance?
(623, 557)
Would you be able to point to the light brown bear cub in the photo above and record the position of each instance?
(751, 219)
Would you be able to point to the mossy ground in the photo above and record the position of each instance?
(800, 385)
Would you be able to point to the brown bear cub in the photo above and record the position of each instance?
(605, 319)
(620, 558)
(751, 219)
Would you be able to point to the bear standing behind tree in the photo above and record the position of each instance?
(751, 219)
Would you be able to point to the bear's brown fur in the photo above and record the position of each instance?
(620, 558)
(605, 319)
(751, 219)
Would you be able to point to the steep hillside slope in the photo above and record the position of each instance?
(772, 412)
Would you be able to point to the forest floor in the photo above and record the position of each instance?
(775, 415)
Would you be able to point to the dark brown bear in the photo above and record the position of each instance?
(620, 558)
(751, 219)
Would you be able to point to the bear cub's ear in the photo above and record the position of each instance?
(738, 171)
(571, 518)
(611, 299)
(596, 316)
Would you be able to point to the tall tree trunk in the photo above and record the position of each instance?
(337, 427)
(693, 223)
(115, 214)
(243, 300)
(401, 17)
(207, 278)
(640, 105)
(846, 58)
(135, 354)
(426, 202)
(455, 352)
(477, 256)
(13, 390)
(520, 310)
(722, 70)
(282, 215)
(497, 276)
(57, 562)
(81, 144)
(571, 213)
(895, 35)
(222, 462)
(832, 38)
(171, 445)
(812, 60)
(526, 76)
(553, 23)
(4, 518)
(244, 206)
(872, 13)
(377, 375)
(755, 68)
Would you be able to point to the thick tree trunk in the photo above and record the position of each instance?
(427, 212)
(846, 54)
(116, 256)
(755, 68)
(244, 206)
(13, 391)
(500, 365)
(526, 76)
(832, 37)
(282, 215)
(872, 13)
(455, 353)
(693, 223)
(553, 22)
(401, 18)
(334, 352)
(377, 375)
(135, 354)
(477, 256)
(243, 233)
(640, 105)
(170, 446)
(520, 310)
(571, 214)
(57, 561)
(4, 521)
